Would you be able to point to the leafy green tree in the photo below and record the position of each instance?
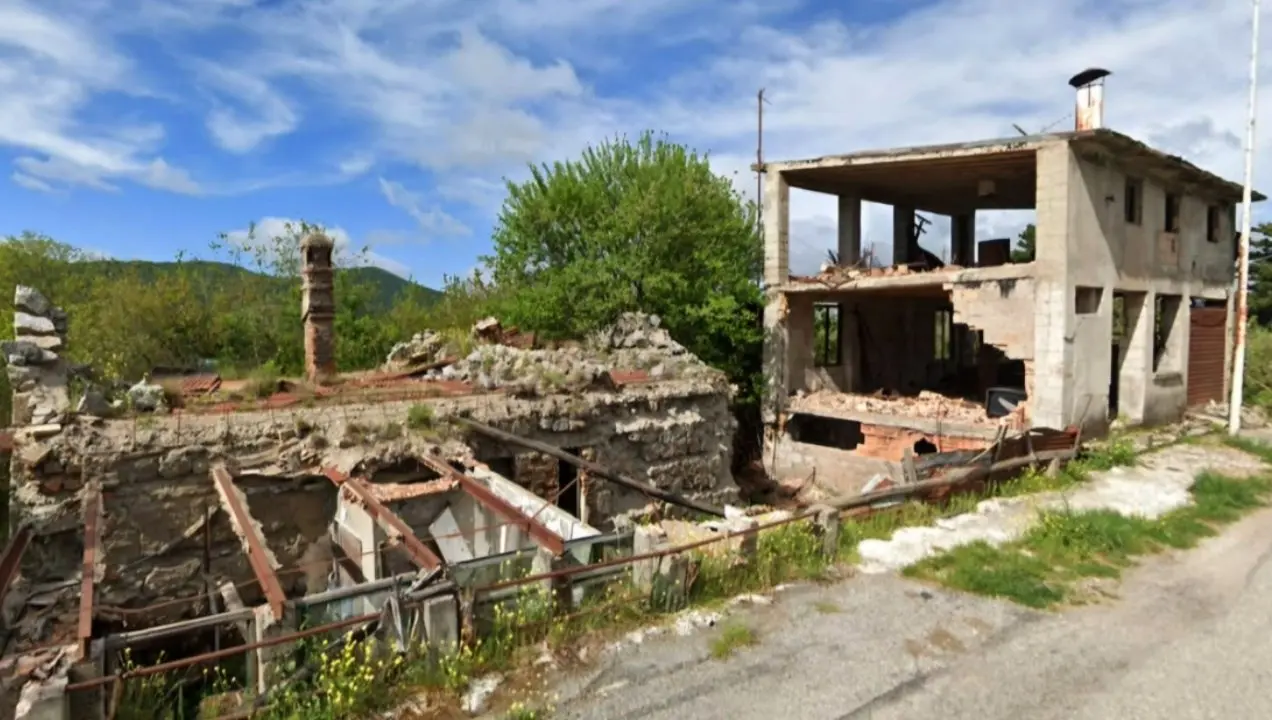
(643, 226)
(1025, 251)
(1260, 298)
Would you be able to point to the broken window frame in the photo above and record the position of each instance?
(1133, 202)
(943, 344)
(1164, 329)
(1213, 213)
(1172, 211)
(828, 334)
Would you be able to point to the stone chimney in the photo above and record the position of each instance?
(1089, 111)
(318, 306)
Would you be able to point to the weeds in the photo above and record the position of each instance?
(732, 638)
(826, 607)
(421, 417)
(1045, 566)
(263, 382)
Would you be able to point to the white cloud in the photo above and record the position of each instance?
(52, 65)
(472, 91)
(267, 114)
(31, 183)
(433, 222)
(259, 242)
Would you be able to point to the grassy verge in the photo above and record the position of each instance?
(358, 682)
(1056, 560)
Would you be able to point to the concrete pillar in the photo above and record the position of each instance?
(963, 239)
(664, 579)
(1136, 361)
(849, 230)
(777, 271)
(902, 233)
(800, 336)
(827, 519)
(1051, 404)
(777, 229)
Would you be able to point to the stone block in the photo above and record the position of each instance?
(28, 299)
(27, 324)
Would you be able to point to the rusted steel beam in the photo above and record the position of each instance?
(11, 560)
(591, 467)
(88, 577)
(546, 538)
(264, 564)
(420, 554)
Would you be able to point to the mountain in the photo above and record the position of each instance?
(387, 286)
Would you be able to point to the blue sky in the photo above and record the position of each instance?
(143, 128)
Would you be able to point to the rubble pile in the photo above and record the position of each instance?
(37, 371)
(926, 404)
(635, 342)
(424, 348)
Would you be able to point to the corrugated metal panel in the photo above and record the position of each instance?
(1206, 341)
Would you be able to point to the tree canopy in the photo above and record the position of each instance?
(633, 226)
(1025, 250)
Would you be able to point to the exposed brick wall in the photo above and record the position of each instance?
(889, 443)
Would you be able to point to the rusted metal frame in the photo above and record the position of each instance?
(348, 564)
(543, 535)
(386, 519)
(11, 560)
(88, 577)
(258, 557)
(593, 468)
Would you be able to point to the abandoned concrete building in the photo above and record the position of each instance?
(1123, 312)
(254, 500)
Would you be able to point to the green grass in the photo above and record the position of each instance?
(421, 417)
(1046, 566)
(733, 637)
(826, 607)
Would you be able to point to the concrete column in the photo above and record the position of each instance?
(849, 230)
(963, 239)
(902, 232)
(777, 270)
(777, 229)
(827, 519)
(1136, 361)
(799, 337)
(1051, 404)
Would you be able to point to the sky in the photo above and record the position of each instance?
(150, 128)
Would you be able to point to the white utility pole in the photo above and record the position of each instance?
(1243, 250)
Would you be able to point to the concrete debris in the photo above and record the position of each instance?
(636, 342)
(94, 403)
(1160, 484)
(926, 404)
(479, 692)
(424, 348)
(146, 396)
(1252, 416)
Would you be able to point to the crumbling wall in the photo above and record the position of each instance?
(1002, 310)
(38, 373)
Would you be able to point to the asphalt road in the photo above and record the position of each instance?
(1189, 635)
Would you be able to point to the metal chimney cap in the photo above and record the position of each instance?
(1088, 76)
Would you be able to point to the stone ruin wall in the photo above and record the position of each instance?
(153, 469)
(153, 472)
